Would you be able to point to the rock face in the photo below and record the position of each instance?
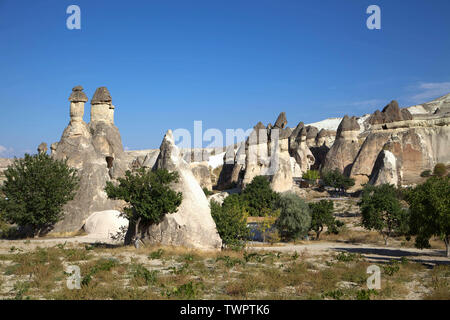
(42, 148)
(192, 225)
(397, 146)
(104, 224)
(96, 151)
(301, 152)
(385, 169)
(390, 113)
(345, 147)
(201, 172)
(4, 163)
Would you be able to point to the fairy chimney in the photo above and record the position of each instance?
(77, 100)
(102, 108)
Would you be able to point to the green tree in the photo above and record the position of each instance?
(259, 197)
(322, 215)
(148, 194)
(381, 210)
(311, 175)
(429, 205)
(337, 180)
(35, 191)
(295, 217)
(440, 170)
(231, 220)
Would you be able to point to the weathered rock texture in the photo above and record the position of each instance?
(104, 224)
(192, 225)
(345, 147)
(4, 163)
(96, 151)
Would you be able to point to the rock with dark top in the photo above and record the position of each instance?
(42, 148)
(281, 121)
(101, 96)
(77, 95)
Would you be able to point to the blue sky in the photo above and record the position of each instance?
(228, 63)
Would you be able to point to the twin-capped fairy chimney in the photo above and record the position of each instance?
(77, 99)
(102, 108)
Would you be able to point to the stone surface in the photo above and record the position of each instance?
(78, 95)
(192, 225)
(87, 147)
(4, 163)
(345, 148)
(385, 169)
(202, 174)
(103, 224)
(281, 121)
(42, 148)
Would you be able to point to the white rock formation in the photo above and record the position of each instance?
(103, 224)
(192, 225)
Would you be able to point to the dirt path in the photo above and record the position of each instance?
(371, 252)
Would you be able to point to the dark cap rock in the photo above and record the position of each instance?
(101, 95)
(281, 121)
(78, 95)
(348, 124)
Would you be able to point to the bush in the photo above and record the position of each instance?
(231, 220)
(429, 206)
(295, 218)
(148, 194)
(381, 210)
(425, 174)
(259, 197)
(35, 191)
(337, 180)
(311, 175)
(322, 215)
(207, 192)
(440, 170)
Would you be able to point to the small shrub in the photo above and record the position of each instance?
(392, 268)
(207, 192)
(259, 198)
(231, 220)
(440, 170)
(156, 254)
(141, 274)
(365, 294)
(311, 175)
(425, 174)
(295, 217)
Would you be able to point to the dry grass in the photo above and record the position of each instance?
(175, 273)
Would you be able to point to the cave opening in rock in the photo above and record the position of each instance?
(109, 162)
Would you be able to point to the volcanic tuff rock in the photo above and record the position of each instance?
(96, 151)
(4, 163)
(345, 147)
(192, 224)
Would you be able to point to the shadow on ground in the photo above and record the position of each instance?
(385, 255)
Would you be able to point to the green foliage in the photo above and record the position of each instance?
(440, 170)
(230, 262)
(322, 215)
(429, 205)
(425, 174)
(259, 197)
(207, 192)
(311, 175)
(392, 268)
(381, 210)
(295, 217)
(347, 257)
(142, 274)
(365, 294)
(337, 180)
(188, 290)
(231, 220)
(102, 265)
(35, 191)
(156, 254)
(148, 194)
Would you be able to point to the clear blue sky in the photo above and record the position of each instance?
(228, 63)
